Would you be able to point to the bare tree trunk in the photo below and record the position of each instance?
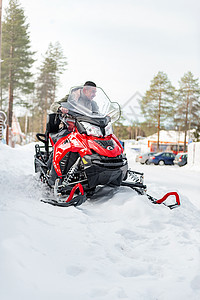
(186, 123)
(158, 130)
(136, 132)
(10, 104)
(45, 121)
(45, 115)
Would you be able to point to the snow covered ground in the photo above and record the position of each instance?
(120, 246)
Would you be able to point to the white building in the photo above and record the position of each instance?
(170, 140)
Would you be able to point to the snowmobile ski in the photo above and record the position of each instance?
(161, 200)
(141, 190)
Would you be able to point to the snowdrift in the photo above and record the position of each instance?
(118, 246)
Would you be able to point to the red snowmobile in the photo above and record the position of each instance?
(80, 151)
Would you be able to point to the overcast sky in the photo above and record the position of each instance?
(120, 45)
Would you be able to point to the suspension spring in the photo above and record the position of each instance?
(71, 173)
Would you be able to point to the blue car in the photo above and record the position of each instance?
(162, 158)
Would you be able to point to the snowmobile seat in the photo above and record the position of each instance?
(53, 123)
(51, 127)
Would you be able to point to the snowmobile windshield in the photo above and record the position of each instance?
(91, 102)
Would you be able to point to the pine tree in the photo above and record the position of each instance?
(18, 59)
(188, 104)
(52, 67)
(157, 104)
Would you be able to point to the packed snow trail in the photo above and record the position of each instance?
(119, 246)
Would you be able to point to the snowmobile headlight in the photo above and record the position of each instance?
(92, 129)
(108, 129)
